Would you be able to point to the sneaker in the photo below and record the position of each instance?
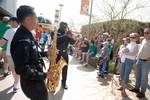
(140, 95)
(134, 90)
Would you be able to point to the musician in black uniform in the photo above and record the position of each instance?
(28, 62)
(64, 38)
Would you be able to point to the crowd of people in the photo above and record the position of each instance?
(100, 48)
(134, 52)
(20, 40)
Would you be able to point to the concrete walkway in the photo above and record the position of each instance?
(83, 84)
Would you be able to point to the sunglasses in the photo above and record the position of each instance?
(146, 32)
(133, 37)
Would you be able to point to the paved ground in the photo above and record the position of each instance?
(83, 85)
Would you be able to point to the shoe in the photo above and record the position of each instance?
(140, 95)
(65, 86)
(134, 90)
(121, 88)
(86, 65)
(98, 74)
(79, 58)
(117, 73)
(102, 75)
(106, 72)
(15, 90)
(81, 62)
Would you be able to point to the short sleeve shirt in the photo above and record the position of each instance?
(9, 34)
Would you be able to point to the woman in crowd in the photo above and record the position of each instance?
(130, 52)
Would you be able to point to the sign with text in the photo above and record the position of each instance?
(57, 16)
(84, 7)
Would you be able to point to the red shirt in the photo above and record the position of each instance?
(38, 35)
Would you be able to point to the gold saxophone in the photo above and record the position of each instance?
(55, 68)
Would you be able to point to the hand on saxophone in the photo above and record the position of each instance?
(49, 74)
(57, 51)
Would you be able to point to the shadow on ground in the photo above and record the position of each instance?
(86, 69)
(73, 61)
(104, 81)
(4, 95)
(57, 96)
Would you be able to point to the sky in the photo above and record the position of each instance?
(71, 10)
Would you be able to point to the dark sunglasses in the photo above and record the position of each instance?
(133, 37)
(146, 32)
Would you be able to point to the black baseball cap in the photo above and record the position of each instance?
(14, 19)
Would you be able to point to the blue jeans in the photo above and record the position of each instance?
(102, 67)
(142, 72)
(127, 70)
(122, 70)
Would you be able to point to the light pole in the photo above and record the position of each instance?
(60, 5)
(90, 18)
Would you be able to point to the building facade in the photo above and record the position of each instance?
(8, 8)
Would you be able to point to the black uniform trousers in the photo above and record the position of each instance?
(34, 90)
(65, 68)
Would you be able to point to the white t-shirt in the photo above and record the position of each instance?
(144, 50)
(121, 54)
(131, 46)
(9, 34)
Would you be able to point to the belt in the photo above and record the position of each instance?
(144, 60)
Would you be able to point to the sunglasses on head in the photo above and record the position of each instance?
(146, 32)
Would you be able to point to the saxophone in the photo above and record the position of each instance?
(55, 68)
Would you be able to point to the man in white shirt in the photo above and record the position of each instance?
(8, 36)
(143, 65)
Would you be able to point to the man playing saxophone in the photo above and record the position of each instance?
(64, 38)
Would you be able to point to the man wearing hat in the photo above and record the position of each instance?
(7, 38)
(3, 27)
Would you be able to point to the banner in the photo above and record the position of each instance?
(57, 16)
(84, 7)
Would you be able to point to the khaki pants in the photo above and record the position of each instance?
(5, 61)
(12, 68)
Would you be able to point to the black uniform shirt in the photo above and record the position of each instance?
(63, 42)
(28, 63)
